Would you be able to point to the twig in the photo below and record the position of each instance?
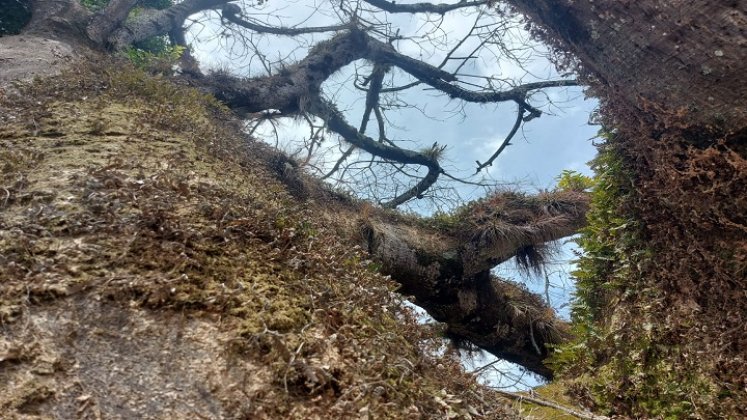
(546, 403)
(506, 142)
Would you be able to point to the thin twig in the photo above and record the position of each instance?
(546, 403)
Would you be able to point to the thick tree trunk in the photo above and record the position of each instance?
(672, 56)
(57, 19)
(108, 19)
(671, 77)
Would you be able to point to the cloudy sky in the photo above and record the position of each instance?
(560, 139)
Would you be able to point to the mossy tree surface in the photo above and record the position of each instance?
(660, 311)
(154, 266)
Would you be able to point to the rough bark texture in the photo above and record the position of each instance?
(60, 20)
(676, 55)
(447, 270)
(671, 75)
(160, 22)
(108, 19)
(152, 266)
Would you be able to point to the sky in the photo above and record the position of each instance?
(561, 139)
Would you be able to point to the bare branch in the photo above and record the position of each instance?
(297, 89)
(547, 403)
(372, 102)
(506, 141)
(289, 90)
(424, 73)
(416, 192)
(232, 14)
(440, 80)
(442, 8)
(336, 122)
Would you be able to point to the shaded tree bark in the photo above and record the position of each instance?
(448, 272)
(671, 76)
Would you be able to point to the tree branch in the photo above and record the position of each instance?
(336, 122)
(297, 89)
(442, 8)
(232, 14)
(375, 82)
(440, 80)
(506, 141)
(447, 270)
(546, 403)
(496, 235)
(104, 22)
(417, 191)
(291, 89)
(160, 22)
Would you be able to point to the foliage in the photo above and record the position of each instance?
(155, 54)
(14, 16)
(607, 238)
(94, 5)
(624, 359)
(604, 268)
(570, 180)
(673, 343)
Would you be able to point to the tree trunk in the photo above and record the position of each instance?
(671, 77)
(665, 57)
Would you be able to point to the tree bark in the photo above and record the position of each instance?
(448, 272)
(160, 22)
(654, 53)
(671, 78)
(60, 20)
(108, 19)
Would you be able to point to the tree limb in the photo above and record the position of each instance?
(160, 22)
(416, 191)
(546, 403)
(336, 122)
(506, 141)
(375, 82)
(447, 270)
(442, 8)
(105, 21)
(232, 14)
(297, 89)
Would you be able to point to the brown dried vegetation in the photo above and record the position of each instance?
(671, 77)
(152, 266)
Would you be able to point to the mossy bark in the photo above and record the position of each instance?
(670, 75)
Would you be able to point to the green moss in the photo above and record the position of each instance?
(621, 360)
(573, 181)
